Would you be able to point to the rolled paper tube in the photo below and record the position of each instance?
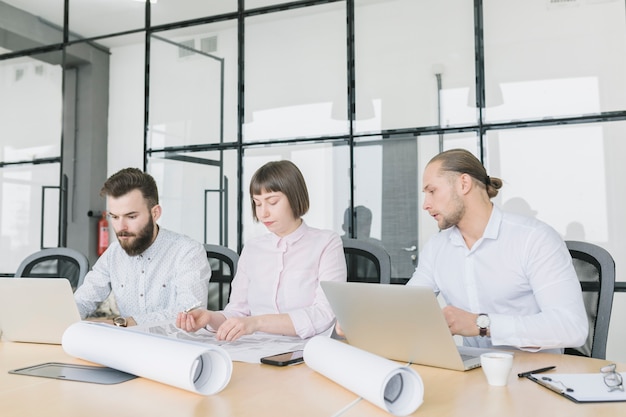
(192, 366)
(389, 385)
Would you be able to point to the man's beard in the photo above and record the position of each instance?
(141, 241)
(455, 217)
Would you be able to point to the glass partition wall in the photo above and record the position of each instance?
(30, 155)
(359, 93)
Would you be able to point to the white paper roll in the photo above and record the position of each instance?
(396, 389)
(192, 366)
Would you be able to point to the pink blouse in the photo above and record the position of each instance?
(282, 275)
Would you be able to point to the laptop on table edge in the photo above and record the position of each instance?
(36, 310)
(398, 322)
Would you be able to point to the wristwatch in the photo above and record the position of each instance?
(483, 322)
(120, 321)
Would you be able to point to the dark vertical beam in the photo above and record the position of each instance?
(63, 180)
(240, 119)
(223, 181)
(146, 113)
(351, 77)
(63, 213)
(439, 87)
(479, 62)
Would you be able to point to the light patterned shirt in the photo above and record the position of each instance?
(171, 275)
(282, 275)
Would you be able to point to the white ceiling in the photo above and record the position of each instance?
(91, 18)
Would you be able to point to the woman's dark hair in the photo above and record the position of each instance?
(129, 179)
(284, 177)
(464, 162)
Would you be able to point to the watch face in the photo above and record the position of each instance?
(120, 321)
(483, 321)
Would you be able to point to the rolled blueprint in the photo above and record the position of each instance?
(389, 385)
(196, 367)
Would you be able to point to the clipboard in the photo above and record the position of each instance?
(79, 373)
(580, 388)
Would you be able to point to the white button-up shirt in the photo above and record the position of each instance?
(520, 273)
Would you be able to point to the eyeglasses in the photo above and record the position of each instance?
(612, 379)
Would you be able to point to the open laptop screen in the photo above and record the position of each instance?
(36, 310)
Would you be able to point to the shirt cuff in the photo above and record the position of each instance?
(502, 330)
(301, 323)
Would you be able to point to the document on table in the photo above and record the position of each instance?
(582, 388)
(248, 348)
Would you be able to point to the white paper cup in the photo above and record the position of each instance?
(497, 367)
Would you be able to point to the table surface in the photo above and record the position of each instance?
(264, 390)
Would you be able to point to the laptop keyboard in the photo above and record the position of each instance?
(466, 357)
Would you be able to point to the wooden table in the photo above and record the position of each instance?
(263, 390)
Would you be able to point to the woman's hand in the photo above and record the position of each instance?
(235, 327)
(339, 331)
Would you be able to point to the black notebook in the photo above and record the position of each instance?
(72, 372)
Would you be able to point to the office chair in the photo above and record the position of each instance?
(366, 261)
(595, 268)
(55, 263)
(223, 262)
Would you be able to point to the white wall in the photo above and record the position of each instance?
(126, 108)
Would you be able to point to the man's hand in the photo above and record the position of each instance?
(100, 319)
(129, 320)
(193, 320)
(461, 322)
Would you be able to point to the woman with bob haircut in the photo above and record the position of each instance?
(277, 286)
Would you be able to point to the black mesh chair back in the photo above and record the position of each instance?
(595, 268)
(366, 262)
(223, 263)
(55, 263)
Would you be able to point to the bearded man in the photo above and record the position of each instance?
(507, 280)
(153, 273)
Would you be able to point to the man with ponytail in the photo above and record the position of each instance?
(507, 280)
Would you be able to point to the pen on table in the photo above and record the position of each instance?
(536, 371)
(194, 307)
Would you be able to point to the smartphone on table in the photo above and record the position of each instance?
(284, 359)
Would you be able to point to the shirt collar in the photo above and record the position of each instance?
(493, 226)
(491, 230)
(291, 238)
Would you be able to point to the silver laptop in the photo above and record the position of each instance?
(36, 310)
(399, 322)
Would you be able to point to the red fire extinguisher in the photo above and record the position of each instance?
(103, 234)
